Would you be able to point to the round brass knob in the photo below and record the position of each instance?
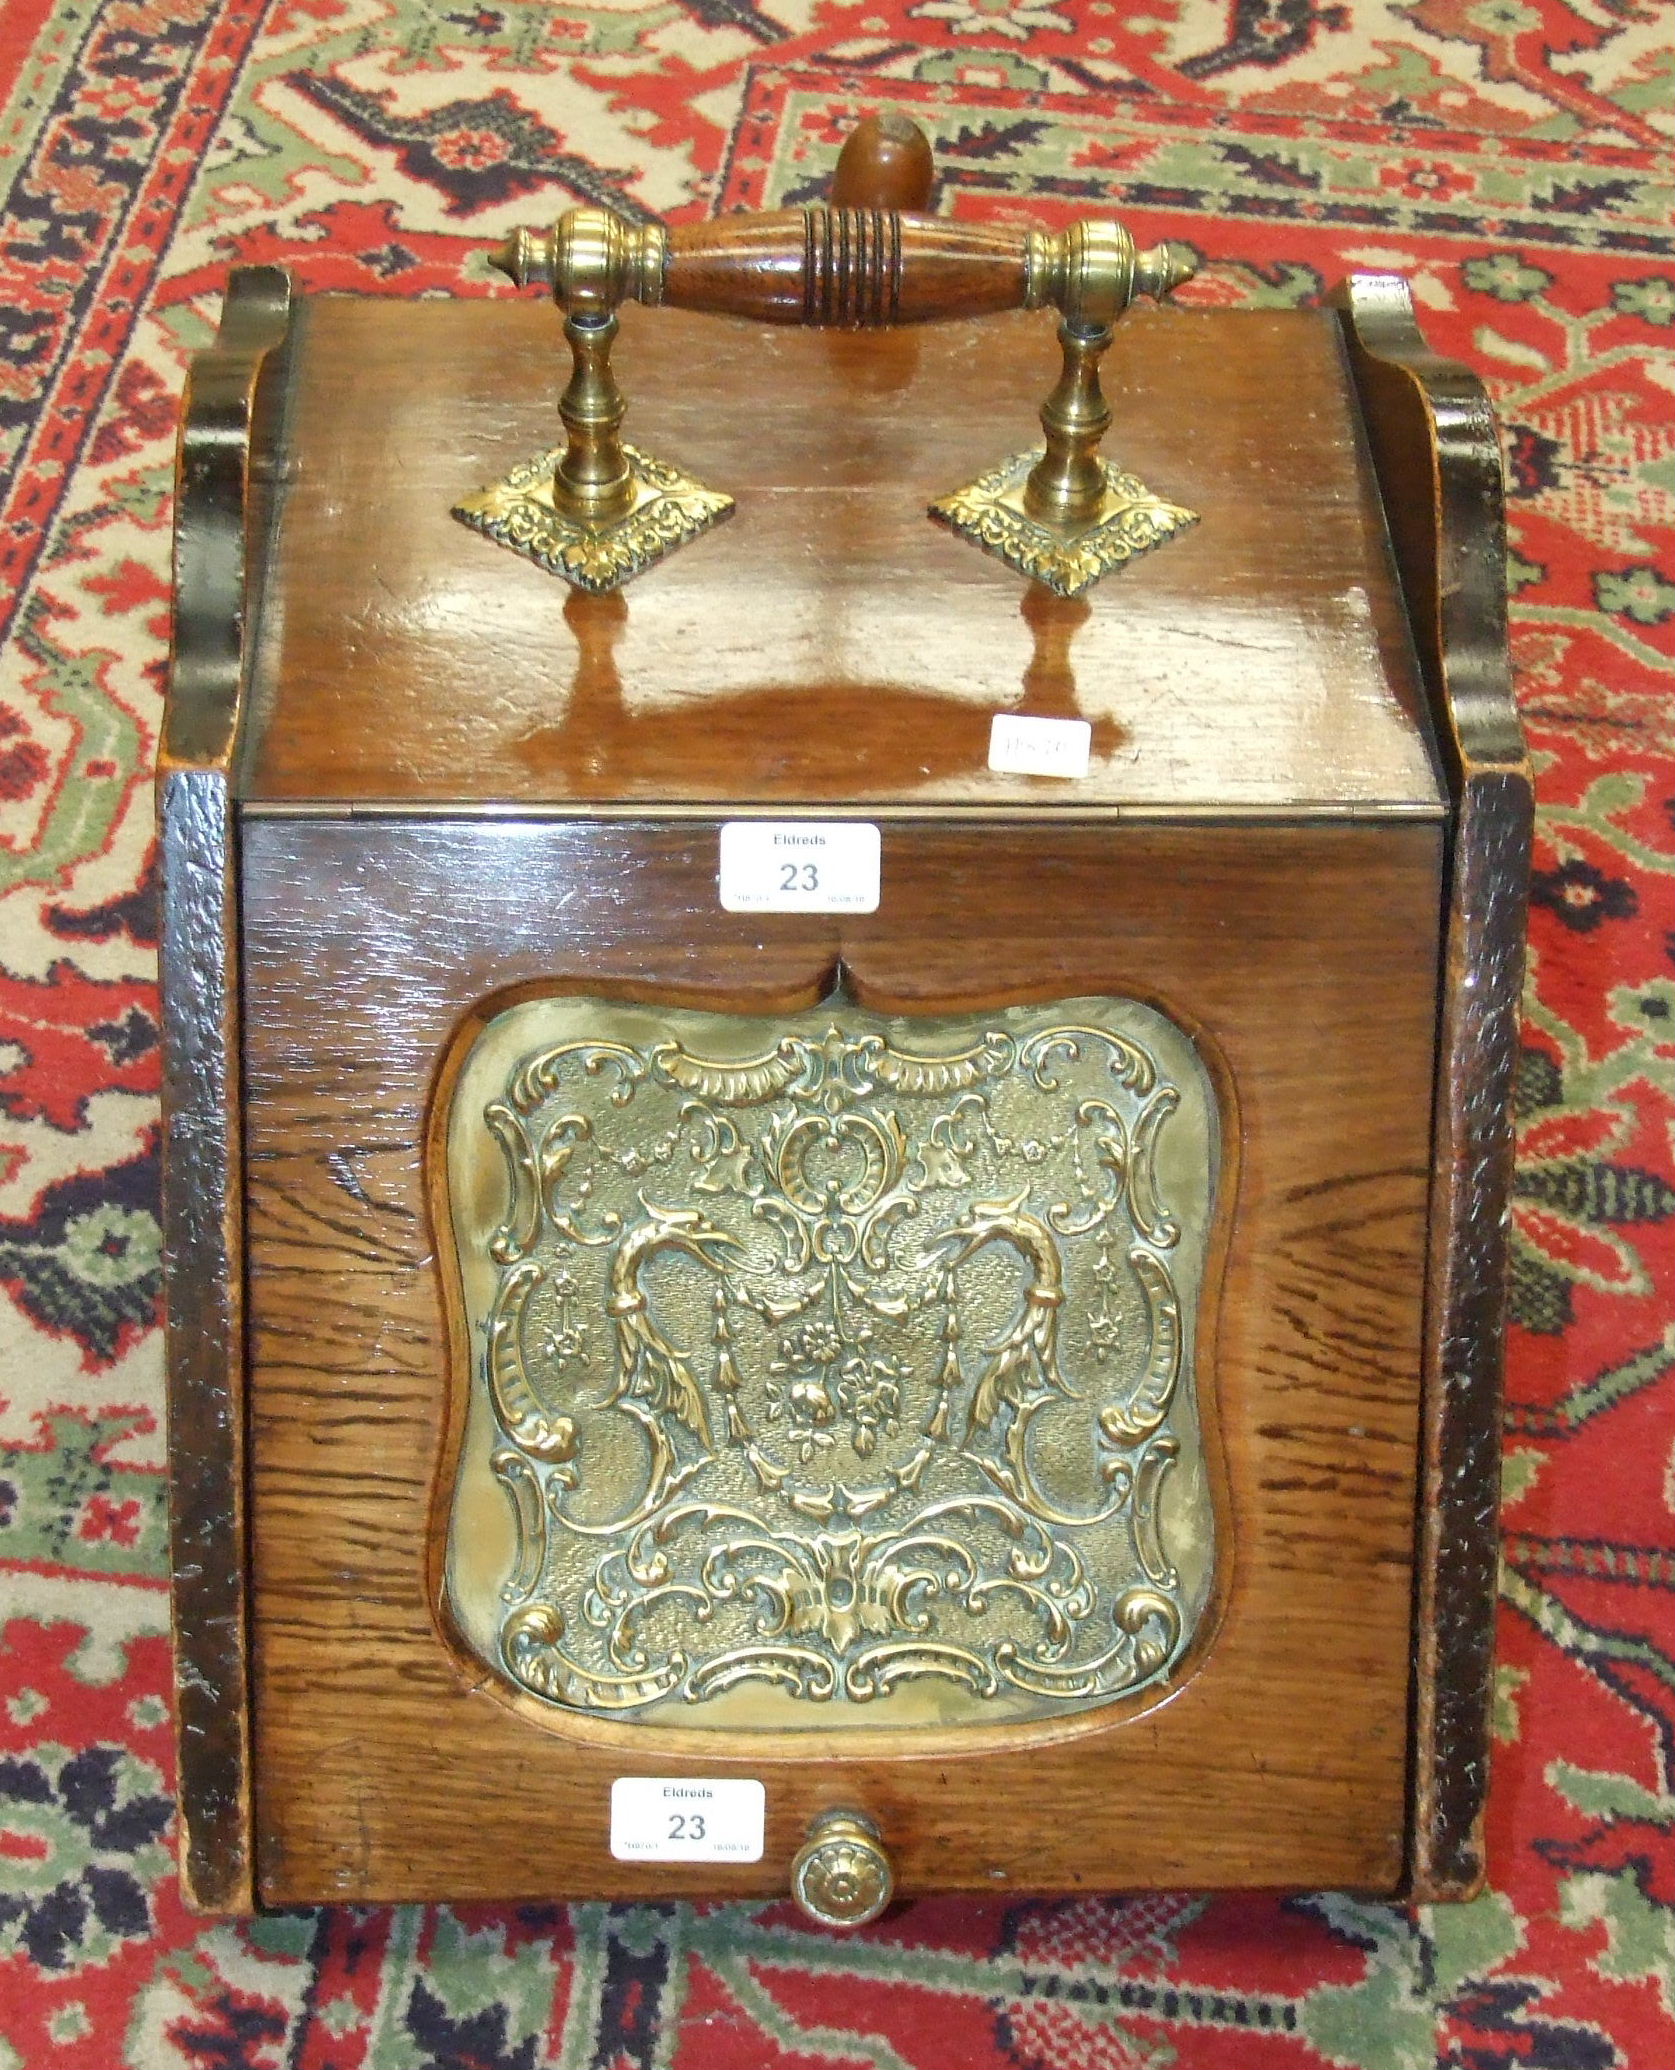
(841, 1875)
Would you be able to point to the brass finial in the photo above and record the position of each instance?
(520, 258)
(1162, 268)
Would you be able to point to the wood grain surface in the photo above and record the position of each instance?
(845, 268)
(828, 644)
(1311, 952)
(535, 777)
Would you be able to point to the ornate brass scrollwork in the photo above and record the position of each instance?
(847, 1364)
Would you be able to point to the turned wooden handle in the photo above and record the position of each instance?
(841, 268)
(845, 268)
(869, 261)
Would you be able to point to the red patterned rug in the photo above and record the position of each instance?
(1512, 158)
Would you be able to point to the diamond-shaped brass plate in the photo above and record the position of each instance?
(1130, 521)
(669, 508)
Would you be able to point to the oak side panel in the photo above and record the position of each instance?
(226, 435)
(1432, 433)
(1310, 956)
(204, 1338)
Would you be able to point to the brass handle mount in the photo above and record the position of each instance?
(597, 511)
(841, 1875)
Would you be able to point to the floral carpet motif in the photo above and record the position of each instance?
(1511, 157)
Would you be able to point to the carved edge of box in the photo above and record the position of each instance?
(221, 464)
(1437, 456)
(219, 455)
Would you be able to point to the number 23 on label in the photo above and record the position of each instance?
(799, 866)
(686, 1819)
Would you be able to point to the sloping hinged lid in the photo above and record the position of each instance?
(828, 646)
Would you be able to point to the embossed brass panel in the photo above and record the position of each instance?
(835, 1369)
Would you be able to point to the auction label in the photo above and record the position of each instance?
(1021, 746)
(686, 1819)
(799, 866)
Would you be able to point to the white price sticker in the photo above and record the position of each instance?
(681, 1819)
(1039, 747)
(799, 866)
